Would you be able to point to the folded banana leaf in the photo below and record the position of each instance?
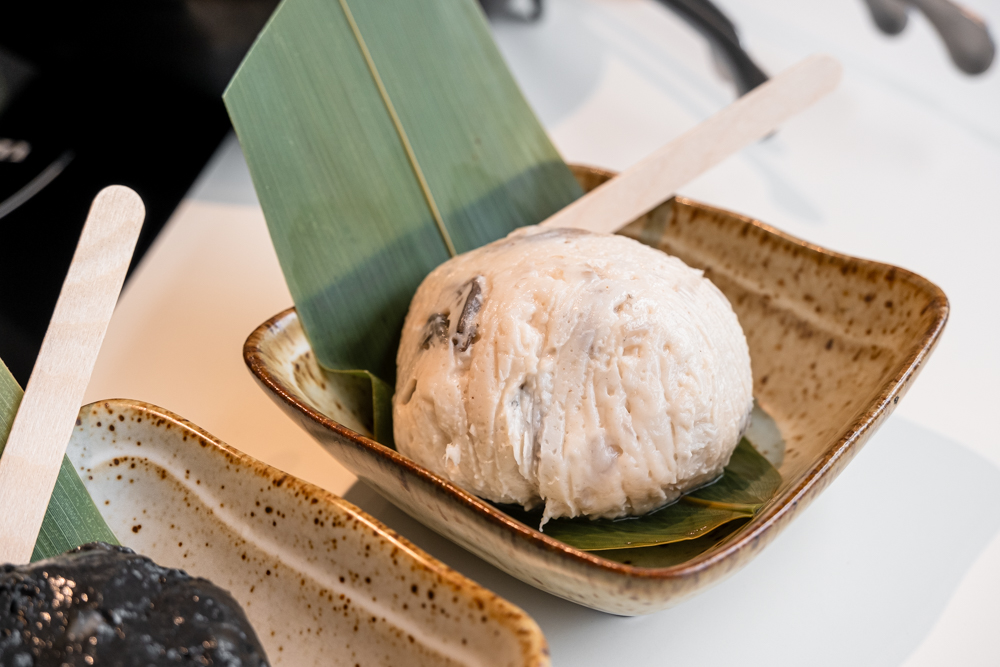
(72, 518)
(383, 137)
(747, 483)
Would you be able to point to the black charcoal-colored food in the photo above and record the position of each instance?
(110, 607)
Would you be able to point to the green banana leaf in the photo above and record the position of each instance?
(71, 518)
(745, 486)
(672, 553)
(383, 137)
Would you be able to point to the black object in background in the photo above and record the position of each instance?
(701, 15)
(721, 33)
(93, 94)
(964, 34)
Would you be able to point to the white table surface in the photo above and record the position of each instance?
(898, 563)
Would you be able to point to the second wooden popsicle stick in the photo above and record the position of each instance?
(45, 419)
(657, 177)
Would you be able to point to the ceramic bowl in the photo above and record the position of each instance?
(322, 582)
(835, 342)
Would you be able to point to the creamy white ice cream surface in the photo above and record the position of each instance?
(584, 371)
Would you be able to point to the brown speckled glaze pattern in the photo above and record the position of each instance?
(835, 342)
(322, 582)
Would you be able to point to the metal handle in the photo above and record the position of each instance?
(889, 15)
(707, 19)
(964, 34)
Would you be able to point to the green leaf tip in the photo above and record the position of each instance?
(747, 483)
(71, 518)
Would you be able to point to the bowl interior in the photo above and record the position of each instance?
(829, 335)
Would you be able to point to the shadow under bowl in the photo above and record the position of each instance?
(835, 342)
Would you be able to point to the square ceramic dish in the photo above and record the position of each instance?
(835, 342)
(322, 582)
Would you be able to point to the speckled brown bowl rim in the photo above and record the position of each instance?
(757, 531)
(534, 647)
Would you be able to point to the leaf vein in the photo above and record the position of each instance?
(403, 138)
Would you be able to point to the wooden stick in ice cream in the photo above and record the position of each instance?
(657, 177)
(48, 411)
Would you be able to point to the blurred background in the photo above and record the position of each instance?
(92, 94)
(129, 92)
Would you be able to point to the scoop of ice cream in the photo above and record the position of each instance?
(584, 371)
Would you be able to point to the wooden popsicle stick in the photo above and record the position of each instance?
(653, 180)
(45, 420)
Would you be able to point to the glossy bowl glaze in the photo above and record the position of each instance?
(322, 582)
(835, 342)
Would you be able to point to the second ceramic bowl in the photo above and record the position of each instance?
(322, 582)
